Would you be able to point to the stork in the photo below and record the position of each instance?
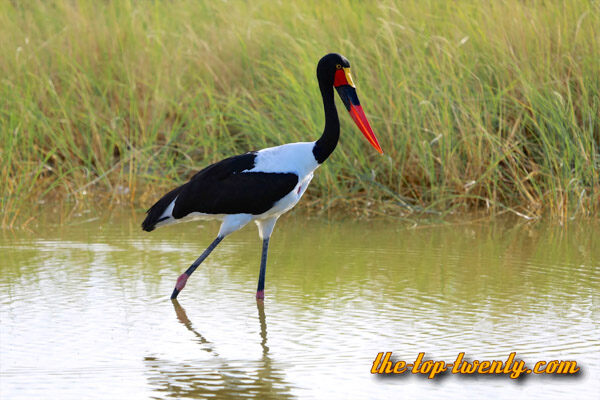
(261, 185)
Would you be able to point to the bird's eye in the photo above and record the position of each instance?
(338, 66)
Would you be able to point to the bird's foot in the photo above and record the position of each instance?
(260, 295)
(181, 281)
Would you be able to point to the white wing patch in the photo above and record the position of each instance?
(168, 213)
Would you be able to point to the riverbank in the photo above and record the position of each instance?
(479, 107)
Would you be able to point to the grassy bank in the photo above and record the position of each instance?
(478, 105)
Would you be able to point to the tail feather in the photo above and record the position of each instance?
(156, 211)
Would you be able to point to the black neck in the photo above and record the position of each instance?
(328, 140)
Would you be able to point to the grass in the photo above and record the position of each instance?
(489, 106)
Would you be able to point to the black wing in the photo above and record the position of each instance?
(222, 188)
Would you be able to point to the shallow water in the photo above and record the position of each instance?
(85, 309)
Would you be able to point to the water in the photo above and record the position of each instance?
(85, 309)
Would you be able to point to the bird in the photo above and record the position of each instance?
(262, 185)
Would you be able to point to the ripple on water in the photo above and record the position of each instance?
(87, 311)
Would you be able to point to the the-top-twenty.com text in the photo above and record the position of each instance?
(383, 364)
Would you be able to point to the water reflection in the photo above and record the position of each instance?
(217, 377)
(183, 318)
(260, 305)
(85, 309)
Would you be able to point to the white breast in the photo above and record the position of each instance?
(294, 158)
(288, 201)
(297, 158)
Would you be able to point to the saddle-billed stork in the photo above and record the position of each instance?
(261, 185)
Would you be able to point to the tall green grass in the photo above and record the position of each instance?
(488, 106)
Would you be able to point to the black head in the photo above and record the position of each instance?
(333, 70)
(328, 65)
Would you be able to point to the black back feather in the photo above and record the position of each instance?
(223, 188)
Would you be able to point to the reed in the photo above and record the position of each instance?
(489, 106)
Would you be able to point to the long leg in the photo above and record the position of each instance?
(265, 228)
(181, 281)
(260, 291)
